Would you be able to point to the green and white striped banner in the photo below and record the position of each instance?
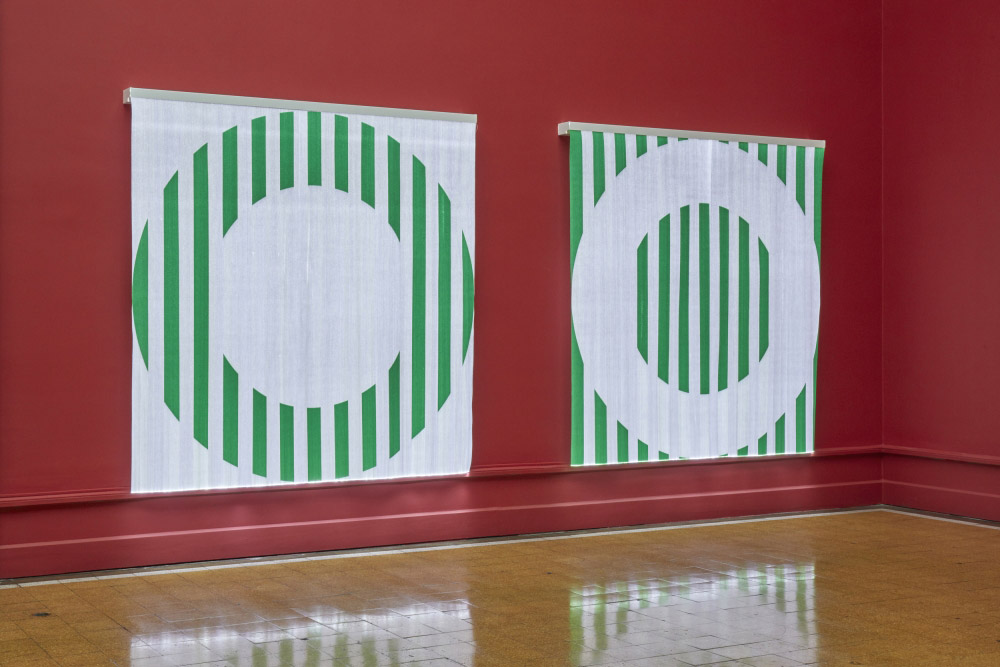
(695, 297)
(302, 296)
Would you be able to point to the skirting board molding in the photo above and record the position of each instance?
(949, 486)
(151, 548)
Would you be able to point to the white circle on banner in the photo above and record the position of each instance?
(313, 294)
(604, 288)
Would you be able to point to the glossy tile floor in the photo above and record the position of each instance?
(864, 588)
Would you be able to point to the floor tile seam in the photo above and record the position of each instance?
(480, 542)
(923, 515)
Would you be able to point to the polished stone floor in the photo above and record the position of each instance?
(863, 588)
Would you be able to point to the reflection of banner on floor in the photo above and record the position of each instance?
(603, 616)
(695, 297)
(330, 637)
(302, 295)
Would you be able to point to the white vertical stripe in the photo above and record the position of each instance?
(810, 221)
(587, 203)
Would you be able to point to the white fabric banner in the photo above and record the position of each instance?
(302, 296)
(695, 297)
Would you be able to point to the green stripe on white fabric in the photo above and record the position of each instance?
(228, 175)
(714, 317)
(171, 299)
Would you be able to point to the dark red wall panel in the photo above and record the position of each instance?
(771, 67)
(942, 226)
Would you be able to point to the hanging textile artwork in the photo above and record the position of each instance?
(302, 295)
(695, 297)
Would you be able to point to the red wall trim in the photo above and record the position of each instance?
(941, 455)
(69, 497)
(151, 548)
(948, 486)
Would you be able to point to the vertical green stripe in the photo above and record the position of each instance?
(368, 164)
(762, 445)
(314, 443)
(575, 644)
(286, 129)
(782, 162)
(640, 145)
(418, 344)
(340, 656)
(800, 422)
(663, 303)
(684, 359)
(259, 434)
(704, 296)
(258, 159)
(314, 129)
(622, 443)
(230, 413)
(661, 141)
(817, 234)
(598, 165)
(575, 195)
(817, 198)
(200, 296)
(575, 231)
(779, 435)
(368, 421)
(286, 425)
(600, 430)
(341, 443)
(230, 180)
(394, 408)
(576, 399)
(643, 451)
(313, 655)
(140, 294)
(619, 153)
(340, 152)
(663, 456)
(763, 322)
(393, 161)
(642, 298)
(171, 300)
(444, 297)
(743, 451)
(723, 298)
(762, 153)
(744, 296)
(468, 297)
(743, 146)
(800, 176)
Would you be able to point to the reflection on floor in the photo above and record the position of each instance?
(869, 588)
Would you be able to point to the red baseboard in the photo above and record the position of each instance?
(59, 536)
(947, 485)
(91, 553)
(106, 528)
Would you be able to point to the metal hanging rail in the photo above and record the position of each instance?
(564, 128)
(293, 105)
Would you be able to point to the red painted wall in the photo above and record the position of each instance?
(942, 233)
(770, 67)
